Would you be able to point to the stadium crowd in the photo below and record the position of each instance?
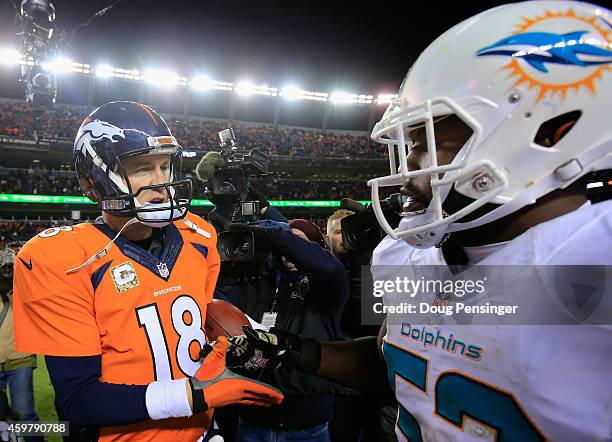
(18, 121)
(22, 230)
(24, 182)
(20, 181)
(314, 190)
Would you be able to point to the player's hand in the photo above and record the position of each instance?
(259, 349)
(214, 385)
(256, 195)
(247, 357)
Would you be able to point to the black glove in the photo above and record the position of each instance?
(255, 195)
(262, 235)
(257, 350)
(224, 203)
(246, 359)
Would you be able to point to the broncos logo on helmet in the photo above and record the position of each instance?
(95, 130)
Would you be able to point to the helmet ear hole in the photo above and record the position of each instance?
(553, 130)
(82, 165)
(89, 190)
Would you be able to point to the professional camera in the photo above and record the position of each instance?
(7, 259)
(246, 242)
(227, 174)
(361, 231)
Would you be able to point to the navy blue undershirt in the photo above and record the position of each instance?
(85, 401)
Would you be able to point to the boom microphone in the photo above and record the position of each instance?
(208, 164)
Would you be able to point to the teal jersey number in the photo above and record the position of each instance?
(458, 395)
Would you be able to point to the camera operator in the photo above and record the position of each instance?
(309, 289)
(279, 274)
(352, 235)
(240, 282)
(334, 234)
(16, 369)
(226, 175)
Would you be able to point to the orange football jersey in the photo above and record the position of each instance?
(144, 315)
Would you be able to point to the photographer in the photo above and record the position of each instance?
(303, 288)
(16, 369)
(279, 274)
(307, 290)
(352, 235)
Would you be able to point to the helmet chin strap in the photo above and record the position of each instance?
(163, 214)
(102, 253)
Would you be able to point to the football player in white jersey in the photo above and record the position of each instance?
(492, 135)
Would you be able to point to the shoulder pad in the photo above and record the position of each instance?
(61, 245)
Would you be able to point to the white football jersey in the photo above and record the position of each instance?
(507, 383)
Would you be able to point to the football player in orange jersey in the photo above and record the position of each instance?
(118, 307)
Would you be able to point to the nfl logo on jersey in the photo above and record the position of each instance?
(162, 268)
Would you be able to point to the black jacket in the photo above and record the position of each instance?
(308, 301)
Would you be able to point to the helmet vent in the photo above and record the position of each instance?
(552, 131)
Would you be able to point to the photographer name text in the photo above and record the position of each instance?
(448, 309)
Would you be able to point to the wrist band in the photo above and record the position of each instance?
(166, 399)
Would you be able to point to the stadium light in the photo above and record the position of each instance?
(340, 97)
(245, 88)
(291, 93)
(127, 74)
(162, 78)
(315, 96)
(60, 65)
(201, 83)
(222, 85)
(63, 65)
(104, 71)
(169, 78)
(10, 56)
(264, 89)
(294, 93)
(385, 98)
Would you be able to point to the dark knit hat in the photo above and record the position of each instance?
(311, 231)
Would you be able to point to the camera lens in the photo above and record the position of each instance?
(238, 253)
(227, 187)
(236, 246)
(6, 271)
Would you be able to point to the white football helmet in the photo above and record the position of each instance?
(504, 73)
